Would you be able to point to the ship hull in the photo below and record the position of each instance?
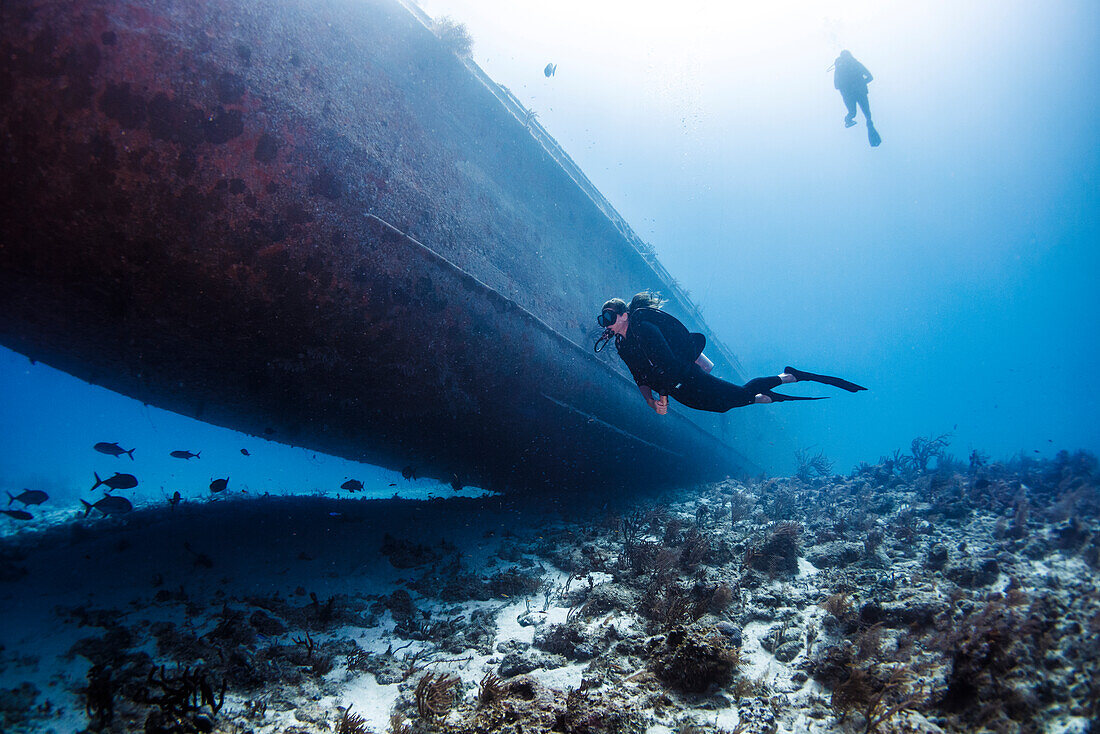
(311, 223)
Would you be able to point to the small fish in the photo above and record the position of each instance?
(17, 514)
(200, 559)
(113, 449)
(175, 499)
(219, 485)
(29, 497)
(409, 472)
(184, 455)
(118, 481)
(456, 483)
(109, 505)
(245, 452)
(352, 485)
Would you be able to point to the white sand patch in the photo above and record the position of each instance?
(599, 577)
(367, 698)
(756, 662)
(805, 568)
(727, 719)
(562, 679)
(1068, 725)
(508, 626)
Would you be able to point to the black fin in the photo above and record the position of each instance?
(823, 379)
(780, 397)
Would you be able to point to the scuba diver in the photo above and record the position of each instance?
(850, 78)
(664, 357)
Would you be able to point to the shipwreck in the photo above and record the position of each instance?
(317, 223)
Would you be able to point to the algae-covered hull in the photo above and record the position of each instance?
(313, 222)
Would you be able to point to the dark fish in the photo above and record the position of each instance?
(184, 455)
(409, 472)
(456, 483)
(245, 452)
(118, 481)
(352, 485)
(29, 497)
(219, 485)
(175, 499)
(113, 449)
(17, 514)
(200, 559)
(109, 505)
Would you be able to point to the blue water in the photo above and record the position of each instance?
(952, 270)
(53, 421)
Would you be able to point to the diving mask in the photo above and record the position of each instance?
(607, 318)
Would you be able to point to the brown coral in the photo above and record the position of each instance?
(693, 662)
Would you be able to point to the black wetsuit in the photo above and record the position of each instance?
(660, 353)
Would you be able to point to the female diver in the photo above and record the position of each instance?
(663, 356)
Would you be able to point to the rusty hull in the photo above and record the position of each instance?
(309, 222)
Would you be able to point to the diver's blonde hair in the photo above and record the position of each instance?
(644, 299)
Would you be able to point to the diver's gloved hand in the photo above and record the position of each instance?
(661, 406)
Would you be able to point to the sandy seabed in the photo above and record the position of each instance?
(900, 598)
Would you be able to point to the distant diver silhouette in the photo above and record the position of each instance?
(664, 357)
(549, 70)
(851, 78)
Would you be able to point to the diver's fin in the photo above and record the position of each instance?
(780, 397)
(823, 379)
(872, 136)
